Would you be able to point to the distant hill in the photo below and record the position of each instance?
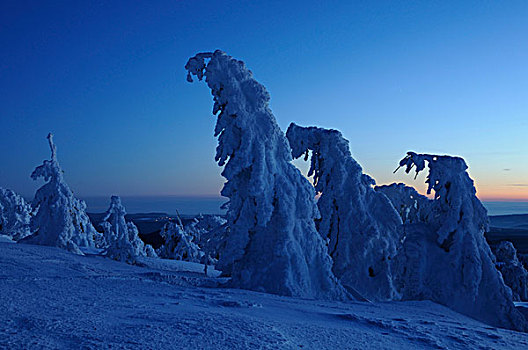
(513, 228)
(518, 221)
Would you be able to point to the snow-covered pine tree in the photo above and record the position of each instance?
(272, 245)
(210, 231)
(513, 272)
(445, 257)
(14, 215)
(122, 238)
(363, 228)
(60, 219)
(179, 244)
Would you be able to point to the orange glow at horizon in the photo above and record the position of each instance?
(488, 192)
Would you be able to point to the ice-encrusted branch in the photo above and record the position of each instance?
(453, 189)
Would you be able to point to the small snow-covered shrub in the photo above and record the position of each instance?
(122, 238)
(361, 224)
(14, 215)
(445, 257)
(60, 219)
(179, 244)
(272, 244)
(513, 272)
(210, 232)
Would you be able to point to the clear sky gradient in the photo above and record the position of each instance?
(107, 79)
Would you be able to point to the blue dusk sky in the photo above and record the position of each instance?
(107, 78)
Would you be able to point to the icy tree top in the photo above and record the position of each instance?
(453, 189)
(329, 150)
(115, 216)
(250, 143)
(442, 169)
(50, 170)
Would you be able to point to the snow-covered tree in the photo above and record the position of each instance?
(513, 272)
(14, 215)
(179, 244)
(362, 226)
(209, 232)
(272, 245)
(122, 238)
(445, 257)
(60, 219)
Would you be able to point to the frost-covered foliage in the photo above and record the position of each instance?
(14, 215)
(60, 219)
(445, 257)
(272, 245)
(410, 205)
(361, 224)
(210, 232)
(513, 272)
(122, 238)
(179, 244)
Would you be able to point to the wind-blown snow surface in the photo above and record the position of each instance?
(52, 299)
(272, 244)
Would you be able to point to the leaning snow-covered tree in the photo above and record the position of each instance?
(445, 257)
(363, 228)
(60, 219)
(513, 272)
(14, 215)
(122, 238)
(272, 245)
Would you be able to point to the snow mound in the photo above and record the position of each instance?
(363, 229)
(55, 300)
(272, 244)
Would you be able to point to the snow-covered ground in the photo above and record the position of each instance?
(51, 298)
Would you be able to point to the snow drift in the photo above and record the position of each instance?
(361, 224)
(272, 244)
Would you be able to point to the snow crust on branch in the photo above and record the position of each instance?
(14, 215)
(362, 226)
(445, 257)
(272, 244)
(122, 238)
(60, 219)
